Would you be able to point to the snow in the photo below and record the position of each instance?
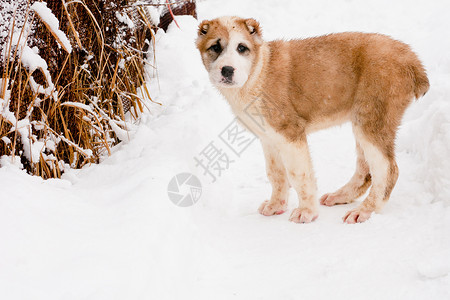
(155, 14)
(123, 17)
(432, 128)
(52, 23)
(109, 231)
(6, 162)
(11, 10)
(31, 60)
(79, 105)
(154, 11)
(6, 140)
(120, 133)
(32, 148)
(7, 94)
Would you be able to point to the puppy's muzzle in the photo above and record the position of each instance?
(228, 72)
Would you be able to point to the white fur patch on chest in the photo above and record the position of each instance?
(252, 116)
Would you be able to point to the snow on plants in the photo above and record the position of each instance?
(52, 23)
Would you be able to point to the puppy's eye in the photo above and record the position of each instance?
(241, 48)
(216, 48)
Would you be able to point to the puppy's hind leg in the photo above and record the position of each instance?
(384, 172)
(279, 181)
(356, 187)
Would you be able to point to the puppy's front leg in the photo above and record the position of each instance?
(297, 161)
(279, 181)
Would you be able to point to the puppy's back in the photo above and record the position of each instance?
(341, 60)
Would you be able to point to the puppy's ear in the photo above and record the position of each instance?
(253, 27)
(203, 28)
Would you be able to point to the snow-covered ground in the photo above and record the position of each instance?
(109, 231)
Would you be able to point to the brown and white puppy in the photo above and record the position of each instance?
(301, 86)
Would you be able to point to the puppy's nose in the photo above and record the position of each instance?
(227, 72)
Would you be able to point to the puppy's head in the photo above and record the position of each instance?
(229, 47)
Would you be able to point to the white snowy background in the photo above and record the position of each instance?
(109, 231)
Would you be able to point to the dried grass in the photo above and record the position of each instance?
(96, 88)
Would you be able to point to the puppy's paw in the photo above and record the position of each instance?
(270, 208)
(357, 215)
(303, 215)
(334, 199)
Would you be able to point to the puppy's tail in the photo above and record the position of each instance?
(421, 83)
